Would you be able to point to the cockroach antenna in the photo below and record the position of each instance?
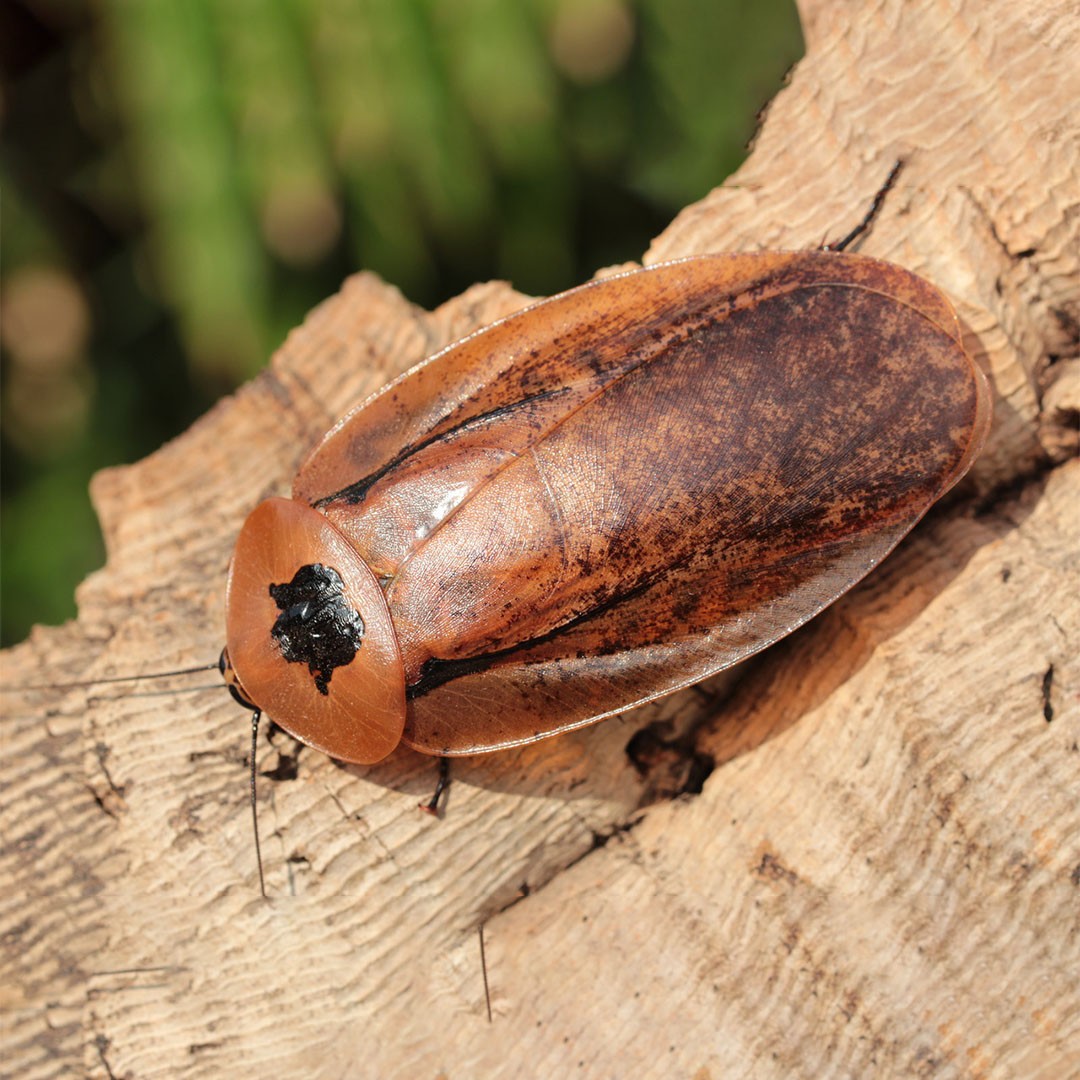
(256, 716)
(78, 683)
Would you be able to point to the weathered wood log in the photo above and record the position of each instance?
(881, 875)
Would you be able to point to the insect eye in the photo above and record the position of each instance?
(228, 673)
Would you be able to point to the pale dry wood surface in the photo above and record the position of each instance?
(880, 878)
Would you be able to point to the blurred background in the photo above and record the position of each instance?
(181, 180)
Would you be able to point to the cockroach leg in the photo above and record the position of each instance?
(432, 805)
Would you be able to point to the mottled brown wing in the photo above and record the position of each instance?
(559, 685)
(703, 506)
(636, 484)
(393, 468)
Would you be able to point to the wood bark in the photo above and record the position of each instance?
(881, 875)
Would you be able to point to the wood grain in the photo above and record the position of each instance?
(882, 873)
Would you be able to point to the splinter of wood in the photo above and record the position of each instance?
(483, 968)
(872, 213)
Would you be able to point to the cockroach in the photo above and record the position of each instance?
(598, 500)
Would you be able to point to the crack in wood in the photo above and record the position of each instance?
(1047, 687)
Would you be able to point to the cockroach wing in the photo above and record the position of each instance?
(629, 487)
(392, 469)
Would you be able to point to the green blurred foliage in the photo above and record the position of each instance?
(183, 179)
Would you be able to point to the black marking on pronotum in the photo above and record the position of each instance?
(316, 626)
